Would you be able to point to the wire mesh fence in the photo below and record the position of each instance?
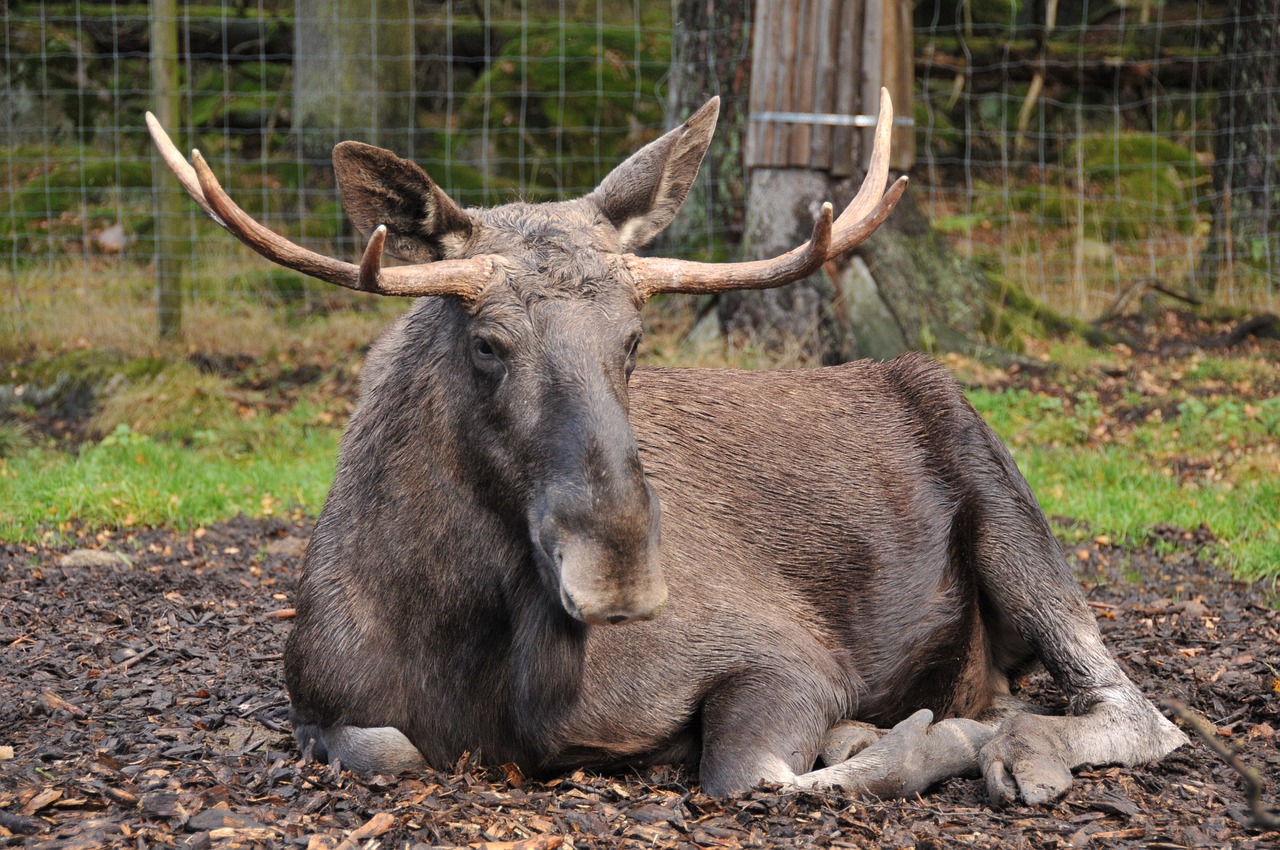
(1076, 150)
(1074, 155)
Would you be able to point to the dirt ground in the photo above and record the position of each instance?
(143, 702)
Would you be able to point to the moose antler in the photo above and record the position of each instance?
(464, 278)
(867, 210)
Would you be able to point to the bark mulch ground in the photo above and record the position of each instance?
(141, 705)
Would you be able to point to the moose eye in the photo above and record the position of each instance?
(486, 358)
(633, 348)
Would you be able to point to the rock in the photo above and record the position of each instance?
(290, 547)
(1093, 251)
(91, 558)
(113, 240)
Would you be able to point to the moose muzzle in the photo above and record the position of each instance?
(600, 550)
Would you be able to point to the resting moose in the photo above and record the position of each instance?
(801, 558)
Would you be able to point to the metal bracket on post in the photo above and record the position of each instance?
(826, 119)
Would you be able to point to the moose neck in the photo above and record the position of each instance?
(481, 556)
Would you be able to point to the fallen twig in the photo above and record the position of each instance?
(134, 659)
(1184, 297)
(1263, 818)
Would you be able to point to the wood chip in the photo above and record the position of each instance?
(375, 826)
(39, 801)
(538, 842)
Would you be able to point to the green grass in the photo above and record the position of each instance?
(129, 479)
(1215, 464)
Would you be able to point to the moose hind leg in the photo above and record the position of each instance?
(382, 749)
(906, 760)
(910, 758)
(1031, 591)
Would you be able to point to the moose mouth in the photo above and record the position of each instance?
(586, 580)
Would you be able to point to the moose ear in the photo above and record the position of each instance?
(642, 196)
(379, 187)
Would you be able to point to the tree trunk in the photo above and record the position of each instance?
(353, 74)
(903, 289)
(1245, 229)
(900, 290)
(170, 228)
(710, 52)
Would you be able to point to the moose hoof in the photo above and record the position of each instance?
(1022, 763)
(1035, 781)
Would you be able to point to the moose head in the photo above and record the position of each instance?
(540, 328)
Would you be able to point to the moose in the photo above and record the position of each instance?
(538, 553)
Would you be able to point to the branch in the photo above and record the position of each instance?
(1262, 817)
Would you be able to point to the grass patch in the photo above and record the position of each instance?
(1126, 461)
(129, 479)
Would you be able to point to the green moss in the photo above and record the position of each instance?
(608, 107)
(1010, 315)
(248, 89)
(1114, 155)
(1133, 187)
(76, 182)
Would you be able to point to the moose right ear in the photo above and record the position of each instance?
(379, 187)
(642, 196)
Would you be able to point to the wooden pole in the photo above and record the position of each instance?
(897, 72)
(168, 229)
(817, 69)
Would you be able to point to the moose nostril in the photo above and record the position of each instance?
(618, 618)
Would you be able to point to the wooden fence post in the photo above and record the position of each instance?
(168, 227)
(817, 69)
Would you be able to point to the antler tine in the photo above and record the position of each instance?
(464, 278)
(869, 208)
(180, 167)
(371, 262)
(869, 194)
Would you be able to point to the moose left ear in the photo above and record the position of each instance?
(642, 196)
